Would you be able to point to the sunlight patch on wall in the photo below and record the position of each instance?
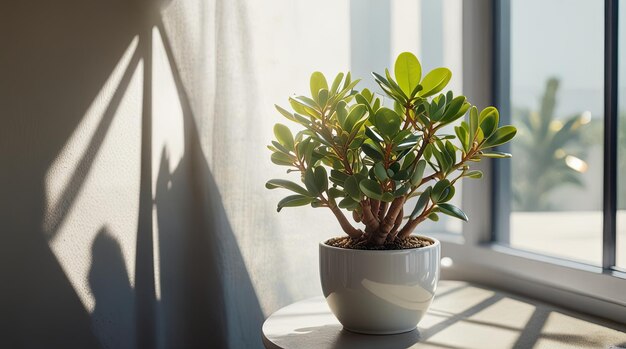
(60, 172)
(452, 20)
(405, 27)
(167, 113)
(92, 187)
(168, 135)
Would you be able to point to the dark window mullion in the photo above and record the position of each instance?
(610, 132)
(501, 84)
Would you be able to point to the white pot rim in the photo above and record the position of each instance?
(402, 251)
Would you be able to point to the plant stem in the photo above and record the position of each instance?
(371, 223)
(343, 221)
(412, 224)
(394, 231)
(380, 235)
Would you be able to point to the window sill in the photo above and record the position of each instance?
(570, 284)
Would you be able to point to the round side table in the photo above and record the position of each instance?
(309, 324)
(462, 316)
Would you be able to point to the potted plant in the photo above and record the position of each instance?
(355, 154)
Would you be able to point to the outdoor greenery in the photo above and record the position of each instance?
(549, 152)
(355, 154)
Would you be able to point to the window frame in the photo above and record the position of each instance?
(481, 255)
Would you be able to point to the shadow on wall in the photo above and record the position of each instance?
(56, 57)
(199, 255)
(113, 317)
(65, 52)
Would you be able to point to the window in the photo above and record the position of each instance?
(553, 197)
(510, 50)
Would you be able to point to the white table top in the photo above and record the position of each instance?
(462, 316)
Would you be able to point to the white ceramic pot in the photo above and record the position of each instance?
(379, 292)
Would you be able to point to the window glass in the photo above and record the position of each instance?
(621, 142)
(555, 71)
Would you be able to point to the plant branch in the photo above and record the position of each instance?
(375, 204)
(371, 223)
(412, 223)
(380, 235)
(394, 231)
(344, 223)
(382, 210)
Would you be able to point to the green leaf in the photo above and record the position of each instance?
(395, 86)
(488, 125)
(322, 97)
(453, 211)
(342, 113)
(335, 193)
(418, 174)
(390, 88)
(380, 172)
(336, 82)
(463, 137)
(405, 136)
(371, 189)
(474, 174)
(387, 122)
(347, 81)
(321, 178)
(284, 136)
(310, 183)
(441, 159)
(371, 151)
(447, 194)
(283, 183)
(357, 113)
(348, 203)
(401, 175)
(304, 105)
(464, 108)
(408, 159)
(495, 154)
(473, 124)
(501, 136)
(453, 109)
(367, 94)
(281, 159)
(433, 217)
(338, 175)
(387, 197)
(408, 72)
(435, 81)
(351, 187)
(284, 112)
(293, 201)
(451, 152)
(490, 111)
(438, 190)
(280, 147)
(421, 203)
(403, 190)
(373, 135)
(318, 82)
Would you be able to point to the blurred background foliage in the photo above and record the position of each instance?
(550, 152)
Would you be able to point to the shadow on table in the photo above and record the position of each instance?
(338, 337)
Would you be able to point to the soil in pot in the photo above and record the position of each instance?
(362, 244)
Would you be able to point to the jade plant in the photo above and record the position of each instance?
(355, 154)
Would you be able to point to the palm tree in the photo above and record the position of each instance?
(548, 152)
